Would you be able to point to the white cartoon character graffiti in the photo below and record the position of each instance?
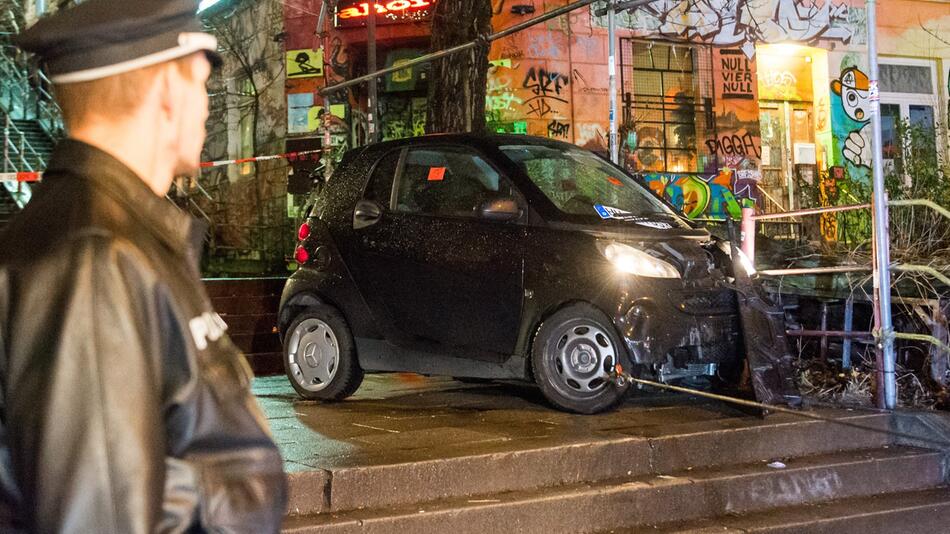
(854, 87)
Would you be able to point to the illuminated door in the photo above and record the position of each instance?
(787, 131)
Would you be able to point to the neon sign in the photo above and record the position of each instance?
(387, 12)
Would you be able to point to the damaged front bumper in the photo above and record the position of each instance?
(676, 332)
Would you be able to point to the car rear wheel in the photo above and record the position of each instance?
(573, 353)
(320, 356)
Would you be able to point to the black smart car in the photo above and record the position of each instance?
(501, 257)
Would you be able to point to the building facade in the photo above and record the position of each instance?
(719, 100)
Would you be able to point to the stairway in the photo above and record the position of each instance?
(707, 476)
(40, 142)
(249, 307)
(29, 116)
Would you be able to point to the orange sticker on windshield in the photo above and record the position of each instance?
(436, 174)
(614, 181)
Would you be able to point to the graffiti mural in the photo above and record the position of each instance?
(850, 119)
(741, 23)
(708, 196)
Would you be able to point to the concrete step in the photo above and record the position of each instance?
(639, 500)
(911, 511)
(681, 447)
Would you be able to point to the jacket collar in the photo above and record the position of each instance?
(177, 230)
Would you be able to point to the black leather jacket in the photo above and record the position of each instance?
(124, 406)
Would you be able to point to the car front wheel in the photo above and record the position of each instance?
(572, 356)
(320, 355)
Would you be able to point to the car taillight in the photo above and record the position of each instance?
(301, 255)
(303, 232)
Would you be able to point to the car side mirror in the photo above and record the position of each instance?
(501, 209)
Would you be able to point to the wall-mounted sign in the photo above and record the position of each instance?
(304, 63)
(353, 13)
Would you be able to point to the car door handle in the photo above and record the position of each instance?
(367, 213)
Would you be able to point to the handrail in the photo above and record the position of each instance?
(24, 145)
(30, 94)
(769, 197)
(923, 269)
(922, 202)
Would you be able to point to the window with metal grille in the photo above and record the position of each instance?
(667, 106)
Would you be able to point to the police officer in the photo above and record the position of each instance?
(124, 407)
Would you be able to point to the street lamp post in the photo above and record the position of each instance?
(882, 259)
(612, 73)
(371, 105)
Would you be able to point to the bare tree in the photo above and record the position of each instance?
(246, 119)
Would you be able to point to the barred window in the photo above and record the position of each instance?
(667, 105)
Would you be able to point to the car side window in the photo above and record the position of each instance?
(380, 184)
(448, 181)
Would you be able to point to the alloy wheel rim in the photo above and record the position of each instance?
(580, 359)
(313, 354)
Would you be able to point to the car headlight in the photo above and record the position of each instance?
(635, 261)
(744, 259)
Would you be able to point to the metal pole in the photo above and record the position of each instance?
(612, 74)
(809, 211)
(840, 269)
(554, 13)
(747, 235)
(371, 67)
(882, 283)
(327, 155)
(848, 324)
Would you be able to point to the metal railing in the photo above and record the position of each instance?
(880, 335)
(23, 93)
(16, 141)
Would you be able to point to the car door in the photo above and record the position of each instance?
(440, 275)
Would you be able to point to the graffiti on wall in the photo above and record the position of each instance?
(544, 44)
(741, 143)
(500, 93)
(338, 60)
(592, 136)
(851, 109)
(736, 142)
(402, 117)
(735, 75)
(715, 196)
(742, 23)
(559, 129)
(547, 89)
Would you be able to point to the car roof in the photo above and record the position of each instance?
(477, 140)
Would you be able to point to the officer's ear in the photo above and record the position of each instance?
(168, 90)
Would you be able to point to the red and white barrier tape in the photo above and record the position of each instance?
(20, 176)
(302, 155)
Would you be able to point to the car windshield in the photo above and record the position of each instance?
(580, 183)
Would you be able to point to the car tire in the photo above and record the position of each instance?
(320, 355)
(572, 354)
